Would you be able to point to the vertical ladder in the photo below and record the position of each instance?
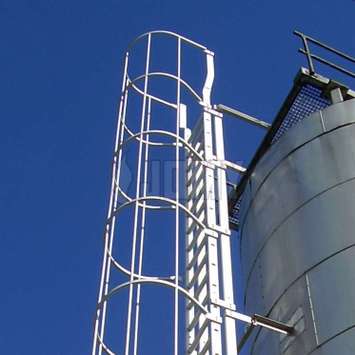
(208, 272)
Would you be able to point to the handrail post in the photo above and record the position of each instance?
(308, 52)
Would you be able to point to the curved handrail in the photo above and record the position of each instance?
(128, 273)
(157, 198)
(164, 32)
(163, 133)
(157, 144)
(171, 76)
(153, 281)
(130, 199)
(155, 98)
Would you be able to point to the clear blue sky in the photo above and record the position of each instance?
(60, 76)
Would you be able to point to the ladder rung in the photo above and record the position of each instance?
(194, 321)
(195, 192)
(195, 176)
(197, 253)
(199, 207)
(205, 348)
(197, 273)
(201, 286)
(197, 234)
(198, 336)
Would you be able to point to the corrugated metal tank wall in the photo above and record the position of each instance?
(298, 237)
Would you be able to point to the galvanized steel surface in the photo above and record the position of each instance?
(297, 236)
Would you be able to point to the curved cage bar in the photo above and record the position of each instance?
(166, 33)
(192, 232)
(181, 141)
(170, 76)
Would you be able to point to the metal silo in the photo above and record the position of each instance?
(297, 236)
(295, 210)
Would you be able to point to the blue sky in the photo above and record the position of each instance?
(61, 67)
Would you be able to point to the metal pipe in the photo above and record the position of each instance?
(330, 64)
(325, 46)
(235, 113)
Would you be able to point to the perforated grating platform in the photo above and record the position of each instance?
(234, 216)
(308, 100)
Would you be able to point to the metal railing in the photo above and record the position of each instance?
(310, 56)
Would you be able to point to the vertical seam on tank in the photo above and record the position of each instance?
(312, 309)
(252, 267)
(293, 283)
(322, 121)
(330, 339)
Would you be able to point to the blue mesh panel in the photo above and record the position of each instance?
(234, 216)
(308, 101)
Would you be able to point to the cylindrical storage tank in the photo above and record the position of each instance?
(297, 236)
